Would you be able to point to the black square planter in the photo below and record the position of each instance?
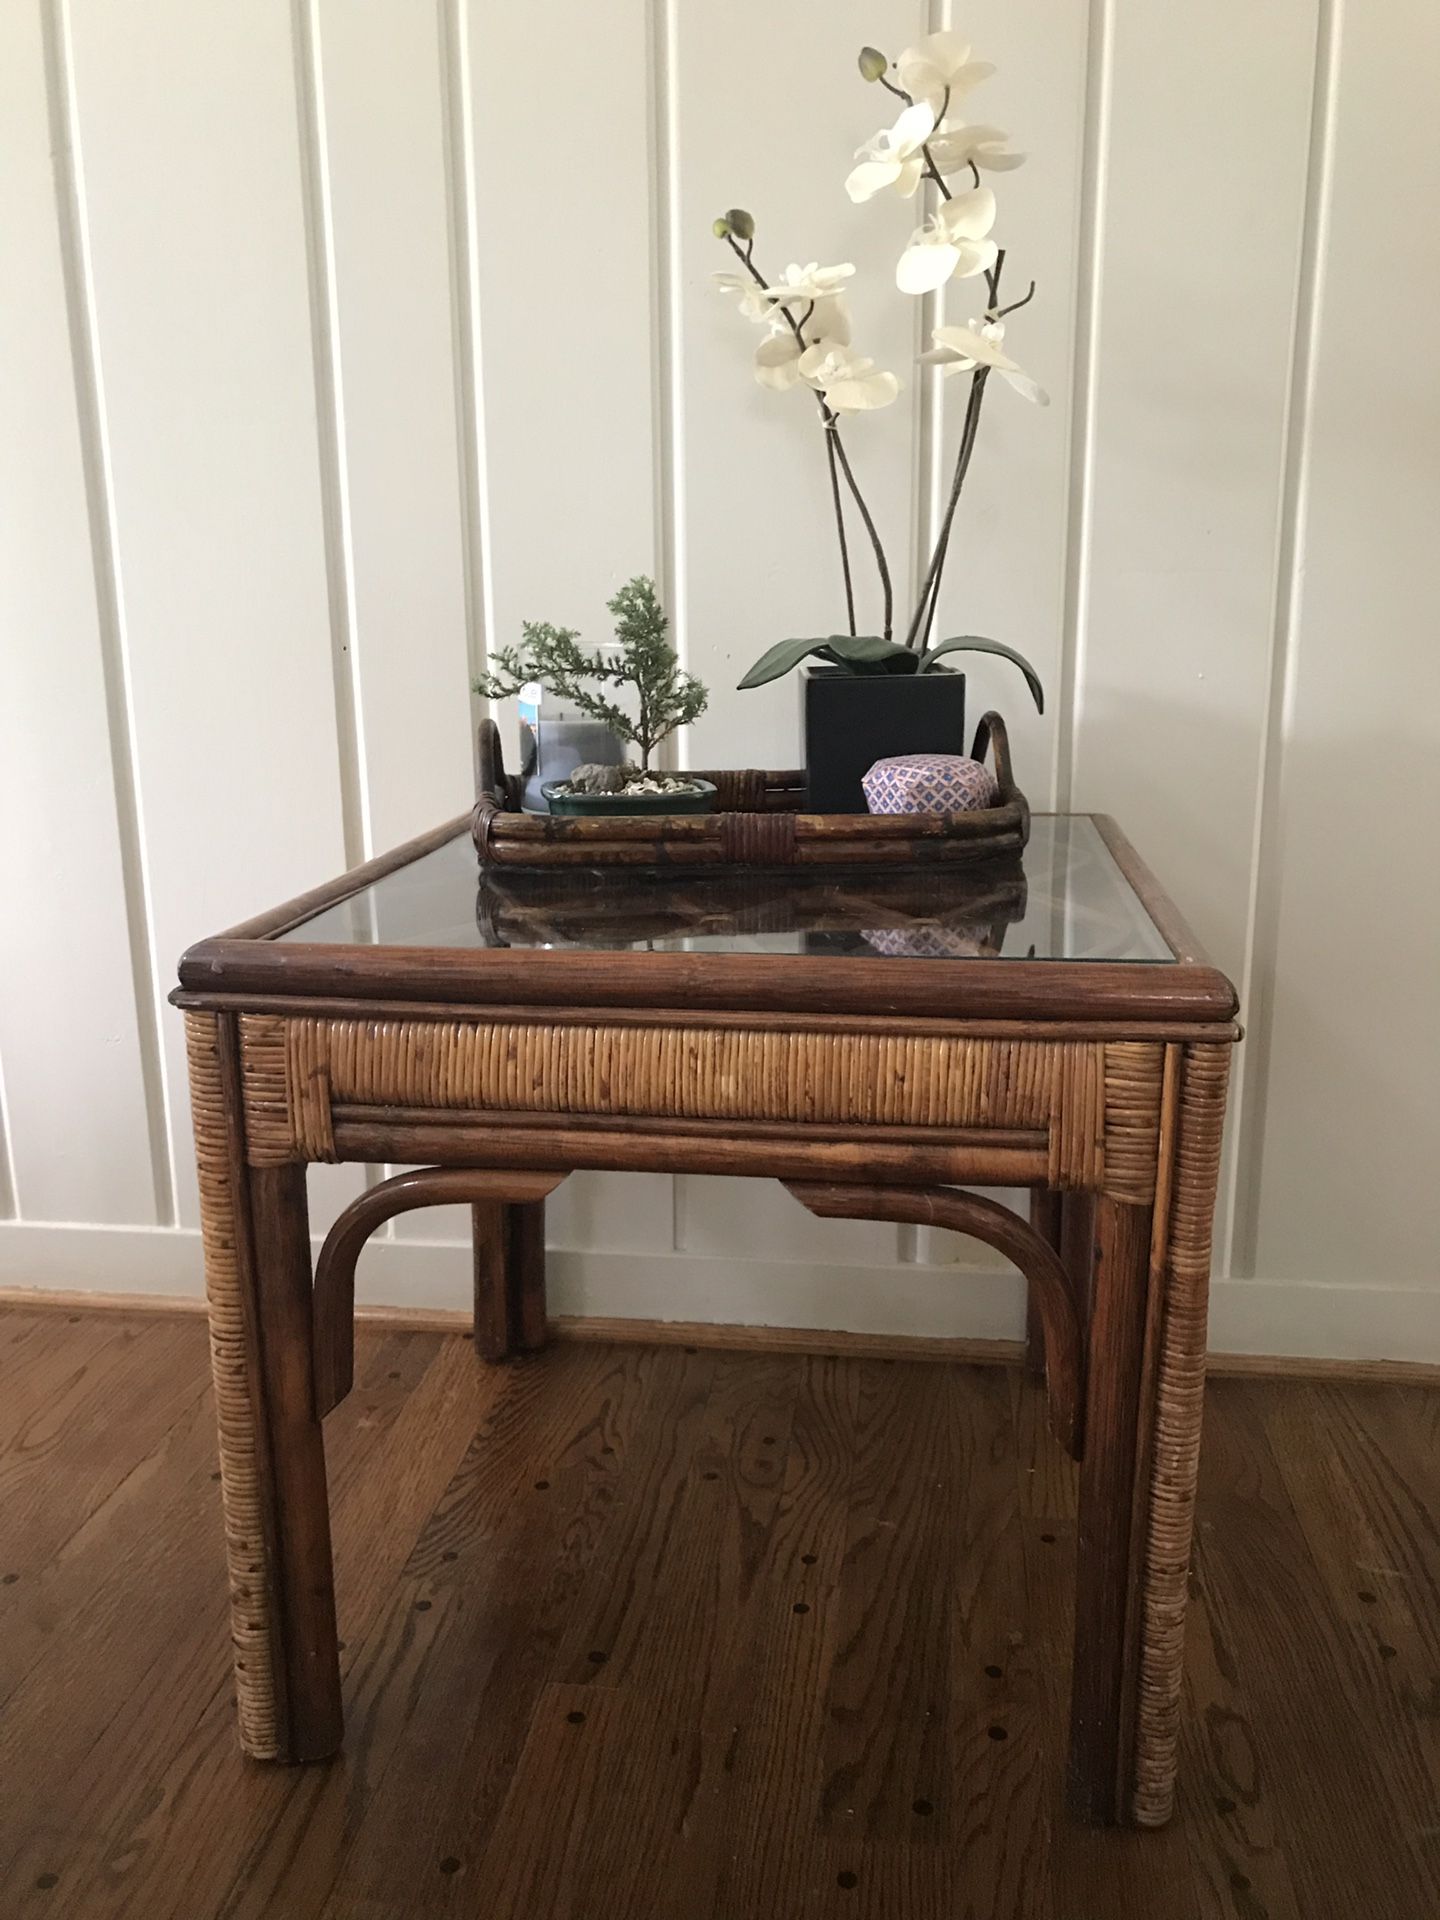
(854, 719)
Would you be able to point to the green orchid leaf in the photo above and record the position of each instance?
(859, 652)
(975, 643)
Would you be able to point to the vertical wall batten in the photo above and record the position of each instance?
(668, 416)
(1084, 379)
(8, 1207)
(928, 428)
(458, 109)
(1245, 1146)
(330, 418)
(149, 987)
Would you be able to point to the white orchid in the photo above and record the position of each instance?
(956, 147)
(777, 360)
(849, 384)
(981, 344)
(894, 157)
(953, 244)
(799, 284)
(940, 67)
(754, 299)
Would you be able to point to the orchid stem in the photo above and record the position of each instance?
(1015, 305)
(918, 636)
(840, 529)
(836, 452)
(880, 561)
(930, 166)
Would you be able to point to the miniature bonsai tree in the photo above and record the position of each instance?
(664, 695)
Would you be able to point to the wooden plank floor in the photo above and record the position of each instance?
(637, 1632)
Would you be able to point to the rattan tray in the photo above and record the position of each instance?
(758, 821)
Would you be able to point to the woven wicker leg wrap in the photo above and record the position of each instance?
(1180, 1404)
(240, 1478)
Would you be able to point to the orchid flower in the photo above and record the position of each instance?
(849, 384)
(953, 244)
(939, 67)
(799, 284)
(894, 157)
(981, 344)
(956, 147)
(754, 299)
(777, 360)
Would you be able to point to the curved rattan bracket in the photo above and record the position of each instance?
(333, 1343)
(988, 1221)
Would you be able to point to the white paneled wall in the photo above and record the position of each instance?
(337, 338)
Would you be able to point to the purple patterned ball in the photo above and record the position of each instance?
(929, 783)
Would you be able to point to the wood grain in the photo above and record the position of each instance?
(833, 1595)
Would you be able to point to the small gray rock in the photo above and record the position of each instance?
(593, 778)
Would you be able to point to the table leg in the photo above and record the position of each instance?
(1196, 1078)
(1045, 1216)
(304, 1580)
(509, 1243)
(1118, 1413)
(277, 1527)
(1077, 1244)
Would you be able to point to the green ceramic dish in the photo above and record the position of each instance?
(637, 804)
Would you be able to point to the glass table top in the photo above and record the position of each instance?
(1068, 900)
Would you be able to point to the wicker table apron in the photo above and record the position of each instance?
(874, 1089)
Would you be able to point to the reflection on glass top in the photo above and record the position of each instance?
(1070, 901)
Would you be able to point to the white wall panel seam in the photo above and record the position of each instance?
(668, 406)
(929, 437)
(72, 225)
(1093, 160)
(459, 107)
(330, 433)
(9, 1207)
(1240, 1227)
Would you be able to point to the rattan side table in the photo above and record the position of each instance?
(876, 1045)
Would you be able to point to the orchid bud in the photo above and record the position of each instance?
(872, 63)
(742, 224)
(721, 228)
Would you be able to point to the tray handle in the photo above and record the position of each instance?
(493, 785)
(991, 737)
